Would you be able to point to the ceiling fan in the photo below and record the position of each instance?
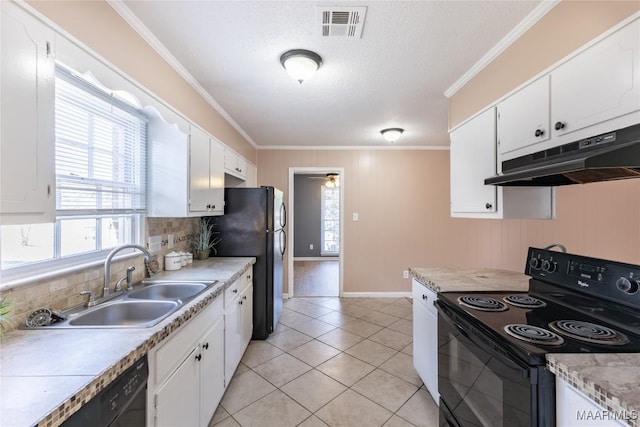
(332, 179)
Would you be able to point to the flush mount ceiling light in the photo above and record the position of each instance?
(301, 64)
(392, 134)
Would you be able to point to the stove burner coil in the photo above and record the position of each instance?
(482, 303)
(533, 334)
(589, 332)
(524, 301)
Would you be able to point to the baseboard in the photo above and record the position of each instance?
(317, 258)
(285, 296)
(377, 295)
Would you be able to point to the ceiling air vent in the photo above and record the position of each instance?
(342, 21)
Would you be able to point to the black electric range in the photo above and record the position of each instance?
(574, 304)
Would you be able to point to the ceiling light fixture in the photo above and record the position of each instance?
(301, 64)
(333, 180)
(392, 134)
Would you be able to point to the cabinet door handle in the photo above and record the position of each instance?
(488, 206)
(49, 191)
(244, 297)
(424, 297)
(539, 132)
(198, 357)
(249, 277)
(208, 206)
(235, 291)
(240, 302)
(559, 125)
(205, 345)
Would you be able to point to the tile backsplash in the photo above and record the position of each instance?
(63, 291)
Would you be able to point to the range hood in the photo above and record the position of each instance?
(610, 156)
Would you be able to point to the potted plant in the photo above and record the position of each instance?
(6, 306)
(205, 239)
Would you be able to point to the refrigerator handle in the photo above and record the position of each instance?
(283, 215)
(283, 242)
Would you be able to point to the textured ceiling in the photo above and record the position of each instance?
(394, 76)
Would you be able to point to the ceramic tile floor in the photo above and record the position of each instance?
(331, 362)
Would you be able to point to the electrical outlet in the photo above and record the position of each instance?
(170, 241)
(155, 243)
(405, 274)
(311, 246)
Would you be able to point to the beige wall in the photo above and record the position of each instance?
(402, 198)
(568, 26)
(98, 26)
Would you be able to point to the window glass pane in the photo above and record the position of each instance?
(330, 205)
(116, 231)
(77, 236)
(26, 243)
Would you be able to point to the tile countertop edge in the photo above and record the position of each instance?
(157, 334)
(608, 379)
(441, 279)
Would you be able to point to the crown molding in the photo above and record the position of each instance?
(353, 147)
(153, 41)
(528, 22)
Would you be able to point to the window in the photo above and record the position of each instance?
(330, 220)
(100, 162)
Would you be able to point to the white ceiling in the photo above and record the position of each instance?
(410, 53)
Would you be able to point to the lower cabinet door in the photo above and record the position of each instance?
(247, 317)
(177, 401)
(211, 372)
(232, 338)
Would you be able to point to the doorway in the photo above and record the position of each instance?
(315, 263)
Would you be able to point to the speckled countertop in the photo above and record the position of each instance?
(470, 279)
(611, 380)
(46, 375)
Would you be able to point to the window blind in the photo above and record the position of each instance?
(100, 151)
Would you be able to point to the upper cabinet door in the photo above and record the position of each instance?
(473, 158)
(199, 195)
(599, 84)
(27, 137)
(216, 178)
(523, 119)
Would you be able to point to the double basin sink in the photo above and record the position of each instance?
(142, 307)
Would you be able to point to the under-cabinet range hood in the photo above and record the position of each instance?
(610, 156)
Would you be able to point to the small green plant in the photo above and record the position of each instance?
(6, 305)
(206, 238)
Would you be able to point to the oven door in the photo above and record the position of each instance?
(481, 385)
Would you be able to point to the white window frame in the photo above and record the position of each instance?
(58, 264)
(324, 252)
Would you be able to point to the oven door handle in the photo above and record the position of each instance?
(492, 350)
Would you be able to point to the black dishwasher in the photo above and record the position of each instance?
(123, 403)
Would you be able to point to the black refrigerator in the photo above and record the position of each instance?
(253, 225)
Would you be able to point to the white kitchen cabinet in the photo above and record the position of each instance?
(235, 164)
(206, 175)
(472, 159)
(186, 372)
(27, 141)
(425, 337)
(523, 119)
(601, 83)
(177, 400)
(238, 321)
(186, 173)
(574, 409)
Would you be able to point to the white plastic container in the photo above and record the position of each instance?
(172, 261)
(189, 258)
(183, 259)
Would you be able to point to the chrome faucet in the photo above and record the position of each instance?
(107, 265)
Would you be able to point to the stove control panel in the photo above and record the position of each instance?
(613, 280)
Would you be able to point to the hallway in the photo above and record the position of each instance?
(316, 278)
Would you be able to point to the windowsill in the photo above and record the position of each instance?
(27, 278)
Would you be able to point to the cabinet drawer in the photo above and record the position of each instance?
(172, 353)
(236, 288)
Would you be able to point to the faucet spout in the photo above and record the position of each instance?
(107, 263)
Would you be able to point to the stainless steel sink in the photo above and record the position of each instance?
(124, 313)
(168, 291)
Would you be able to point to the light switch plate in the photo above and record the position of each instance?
(155, 243)
(170, 241)
(355, 216)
